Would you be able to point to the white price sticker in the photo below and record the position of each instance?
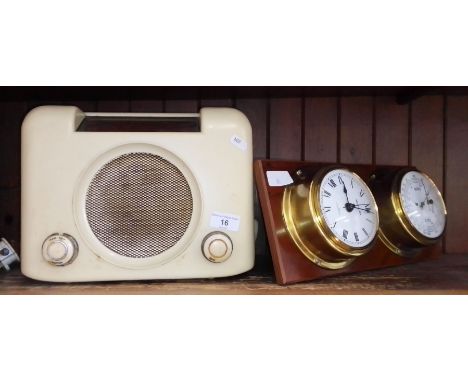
(278, 178)
(225, 221)
(239, 142)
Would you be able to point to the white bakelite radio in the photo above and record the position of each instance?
(131, 196)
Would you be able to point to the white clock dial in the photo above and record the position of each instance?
(422, 204)
(348, 208)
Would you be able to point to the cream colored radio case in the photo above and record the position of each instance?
(135, 205)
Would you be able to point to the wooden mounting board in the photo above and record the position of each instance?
(290, 264)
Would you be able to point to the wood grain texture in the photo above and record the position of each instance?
(456, 188)
(11, 118)
(427, 131)
(290, 264)
(446, 275)
(391, 132)
(256, 111)
(285, 128)
(356, 130)
(320, 137)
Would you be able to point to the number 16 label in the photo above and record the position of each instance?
(225, 221)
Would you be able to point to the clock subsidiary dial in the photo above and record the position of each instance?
(348, 208)
(422, 204)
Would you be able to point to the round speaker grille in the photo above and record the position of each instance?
(139, 205)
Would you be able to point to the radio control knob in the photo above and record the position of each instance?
(217, 247)
(59, 249)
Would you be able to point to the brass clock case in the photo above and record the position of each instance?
(396, 230)
(307, 228)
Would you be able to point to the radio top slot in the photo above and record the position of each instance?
(144, 122)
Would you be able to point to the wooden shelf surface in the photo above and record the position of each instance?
(446, 275)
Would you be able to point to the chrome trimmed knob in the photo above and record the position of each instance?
(217, 247)
(59, 249)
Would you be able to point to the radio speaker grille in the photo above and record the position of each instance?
(139, 205)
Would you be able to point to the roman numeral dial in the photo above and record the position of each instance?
(332, 219)
(348, 208)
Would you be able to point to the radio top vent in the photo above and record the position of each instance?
(101, 122)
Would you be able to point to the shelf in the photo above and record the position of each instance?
(445, 275)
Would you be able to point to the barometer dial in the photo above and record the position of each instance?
(422, 204)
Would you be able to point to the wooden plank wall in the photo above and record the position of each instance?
(430, 132)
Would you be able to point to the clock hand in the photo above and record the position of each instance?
(358, 208)
(345, 190)
(364, 209)
(366, 205)
(349, 206)
(428, 201)
(424, 186)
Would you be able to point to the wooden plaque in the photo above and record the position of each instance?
(290, 264)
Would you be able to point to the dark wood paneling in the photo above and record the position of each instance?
(146, 106)
(256, 111)
(320, 135)
(391, 132)
(113, 106)
(285, 128)
(86, 106)
(10, 215)
(182, 106)
(356, 130)
(188, 104)
(11, 118)
(456, 187)
(210, 102)
(47, 93)
(216, 97)
(324, 132)
(83, 105)
(427, 151)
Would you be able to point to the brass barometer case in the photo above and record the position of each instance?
(305, 223)
(396, 230)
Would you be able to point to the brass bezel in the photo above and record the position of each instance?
(306, 249)
(405, 222)
(326, 244)
(314, 201)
